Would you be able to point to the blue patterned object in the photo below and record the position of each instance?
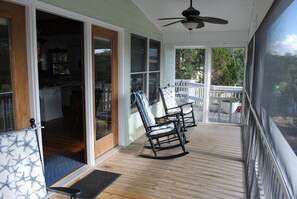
(144, 105)
(21, 172)
(149, 118)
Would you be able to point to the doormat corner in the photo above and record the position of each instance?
(94, 183)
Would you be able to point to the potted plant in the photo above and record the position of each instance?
(214, 107)
(230, 106)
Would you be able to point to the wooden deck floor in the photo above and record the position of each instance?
(213, 168)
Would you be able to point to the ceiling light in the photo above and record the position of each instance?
(190, 25)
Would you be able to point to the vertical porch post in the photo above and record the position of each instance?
(207, 81)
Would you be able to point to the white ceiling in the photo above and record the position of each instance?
(237, 12)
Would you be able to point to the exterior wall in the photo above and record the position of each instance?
(124, 14)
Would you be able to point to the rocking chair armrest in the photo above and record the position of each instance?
(164, 123)
(174, 107)
(64, 190)
(186, 104)
(167, 116)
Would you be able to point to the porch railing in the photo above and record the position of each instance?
(6, 111)
(225, 101)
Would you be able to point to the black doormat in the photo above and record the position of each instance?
(94, 183)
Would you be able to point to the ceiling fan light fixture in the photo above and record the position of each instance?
(190, 25)
(192, 20)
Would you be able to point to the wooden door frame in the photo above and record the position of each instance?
(16, 15)
(111, 140)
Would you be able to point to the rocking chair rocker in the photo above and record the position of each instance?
(166, 135)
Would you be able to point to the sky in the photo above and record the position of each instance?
(282, 35)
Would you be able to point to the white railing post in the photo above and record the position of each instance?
(190, 90)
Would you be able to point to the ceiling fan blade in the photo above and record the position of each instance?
(173, 23)
(201, 24)
(171, 18)
(211, 19)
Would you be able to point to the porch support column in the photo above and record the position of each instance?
(169, 66)
(207, 81)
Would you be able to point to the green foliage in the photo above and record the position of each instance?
(282, 73)
(190, 64)
(227, 66)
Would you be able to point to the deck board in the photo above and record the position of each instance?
(213, 169)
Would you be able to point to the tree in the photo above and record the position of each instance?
(190, 64)
(227, 66)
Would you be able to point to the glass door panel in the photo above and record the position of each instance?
(7, 118)
(103, 86)
(226, 85)
(14, 88)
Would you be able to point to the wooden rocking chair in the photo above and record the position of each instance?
(166, 135)
(184, 111)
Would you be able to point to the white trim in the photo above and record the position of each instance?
(207, 81)
(121, 88)
(89, 115)
(189, 46)
(147, 71)
(231, 45)
(31, 7)
(31, 43)
(69, 179)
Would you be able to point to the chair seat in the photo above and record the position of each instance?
(186, 110)
(162, 129)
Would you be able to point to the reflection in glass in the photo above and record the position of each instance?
(7, 120)
(138, 53)
(103, 96)
(154, 55)
(60, 62)
(138, 82)
(154, 79)
(279, 95)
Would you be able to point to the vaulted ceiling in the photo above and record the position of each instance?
(237, 12)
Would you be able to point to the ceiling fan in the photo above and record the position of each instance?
(192, 19)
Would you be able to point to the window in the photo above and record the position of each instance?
(138, 63)
(145, 66)
(154, 70)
